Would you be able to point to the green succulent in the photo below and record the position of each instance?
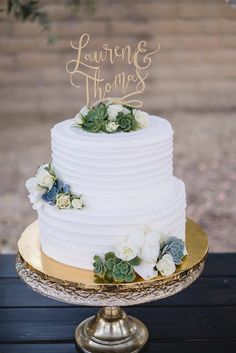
(128, 107)
(99, 268)
(175, 247)
(113, 269)
(126, 122)
(123, 271)
(95, 120)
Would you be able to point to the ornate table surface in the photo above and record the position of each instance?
(201, 318)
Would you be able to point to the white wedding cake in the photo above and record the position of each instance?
(125, 186)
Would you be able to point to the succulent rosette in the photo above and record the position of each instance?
(127, 122)
(114, 269)
(110, 118)
(174, 247)
(46, 187)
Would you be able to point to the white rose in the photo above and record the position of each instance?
(111, 126)
(166, 265)
(136, 236)
(35, 193)
(113, 111)
(77, 203)
(146, 271)
(44, 178)
(141, 118)
(84, 111)
(149, 253)
(63, 201)
(126, 251)
(31, 184)
(78, 119)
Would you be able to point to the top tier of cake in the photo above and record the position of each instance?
(116, 172)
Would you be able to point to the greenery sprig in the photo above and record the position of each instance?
(28, 10)
(34, 11)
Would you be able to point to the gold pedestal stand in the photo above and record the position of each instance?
(111, 330)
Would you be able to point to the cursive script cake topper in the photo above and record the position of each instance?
(86, 69)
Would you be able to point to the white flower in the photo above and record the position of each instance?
(113, 111)
(38, 204)
(166, 265)
(111, 126)
(153, 238)
(137, 237)
(35, 193)
(146, 271)
(63, 201)
(44, 178)
(31, 184)
(149, 254)
(79, 116)
(125, 110)
(126, 251)
(141, 117)
(185, 250)
(147, 240)
(78, 119)
(84, 111)
(77, 203)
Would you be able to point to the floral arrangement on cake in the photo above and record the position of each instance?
(111, 118)
(46, 187)
(143, 255)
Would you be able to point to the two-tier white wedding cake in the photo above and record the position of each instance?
(127, 194)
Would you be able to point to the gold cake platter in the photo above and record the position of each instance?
(111, 330)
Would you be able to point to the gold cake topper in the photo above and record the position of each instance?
(125, 87)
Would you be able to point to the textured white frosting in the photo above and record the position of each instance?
(122, 171)
(126, 180)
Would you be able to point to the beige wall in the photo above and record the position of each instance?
(195, 70)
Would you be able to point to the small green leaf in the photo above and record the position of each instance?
(130, 277)
(128, 107)
(117, 260)
(109, 255)
(135, 262)
(115, 270)
(109, 274)
(118, 277)
(110, 263)
(97, 258)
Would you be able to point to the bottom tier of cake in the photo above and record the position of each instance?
(73, 238)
